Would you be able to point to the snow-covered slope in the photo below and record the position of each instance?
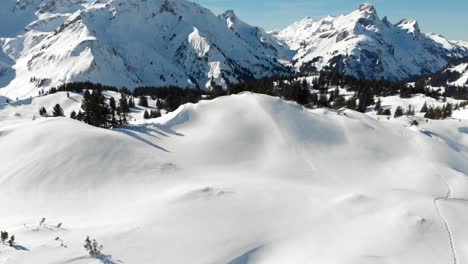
(461, 70)
(240, 179)
(127, 43)
(365, 46)
(454, 74)
(462, 43)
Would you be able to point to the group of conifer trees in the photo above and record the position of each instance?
(328, 91)
(56, 111)
(97, 110)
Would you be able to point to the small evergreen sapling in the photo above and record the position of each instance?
(424, 108)
(11, 242)
(398, 112)
(73, 115)
(93, 247)
(57, 111)
(42, 111)
(143, 101)
(4, 236)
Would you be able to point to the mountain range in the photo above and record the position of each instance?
(134, 43)
(367, 47)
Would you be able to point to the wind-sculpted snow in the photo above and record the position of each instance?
(367, 47)
(240, 179)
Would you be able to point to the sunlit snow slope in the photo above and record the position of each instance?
(240, 179)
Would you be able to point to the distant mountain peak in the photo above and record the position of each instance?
(410, 25)
(231, 18)
(229, 13)
(367, 7)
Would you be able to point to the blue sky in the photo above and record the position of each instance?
(449, 17)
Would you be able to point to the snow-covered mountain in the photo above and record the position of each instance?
(264, 42)
(365, 46)
(125, 43)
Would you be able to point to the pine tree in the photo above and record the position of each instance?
(123, 109)
(80, 116)
(378, 105)
(159, 104)
(155, 113)
(4, 236)
(143, 101)
(429, 113)
(113, 108)
(351, 103)
(93, 248)
(424, 108)
(410, 111)
(96, 111)
(131, 102)
(447, 111)
(303, 95)
(11, 242)
(57, 111)
(146, 115)
(339, 102)
(322, 101)
(42, 111)
(387, 112)
(73, 115)
(398, 112)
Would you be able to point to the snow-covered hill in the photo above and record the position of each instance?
(365, 46)
(240, 179)
(124, 43)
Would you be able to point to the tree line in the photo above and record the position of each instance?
(324, 90)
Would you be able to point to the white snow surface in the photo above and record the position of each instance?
(363, 45)
(122, 43)
(240, 179)
(461, 68)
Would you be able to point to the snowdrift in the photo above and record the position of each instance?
(240, 179)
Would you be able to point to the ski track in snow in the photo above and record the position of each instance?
(446, 197)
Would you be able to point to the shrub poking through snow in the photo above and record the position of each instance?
(93, 247)
(42, 111)
(4, 236)
(11, 242)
